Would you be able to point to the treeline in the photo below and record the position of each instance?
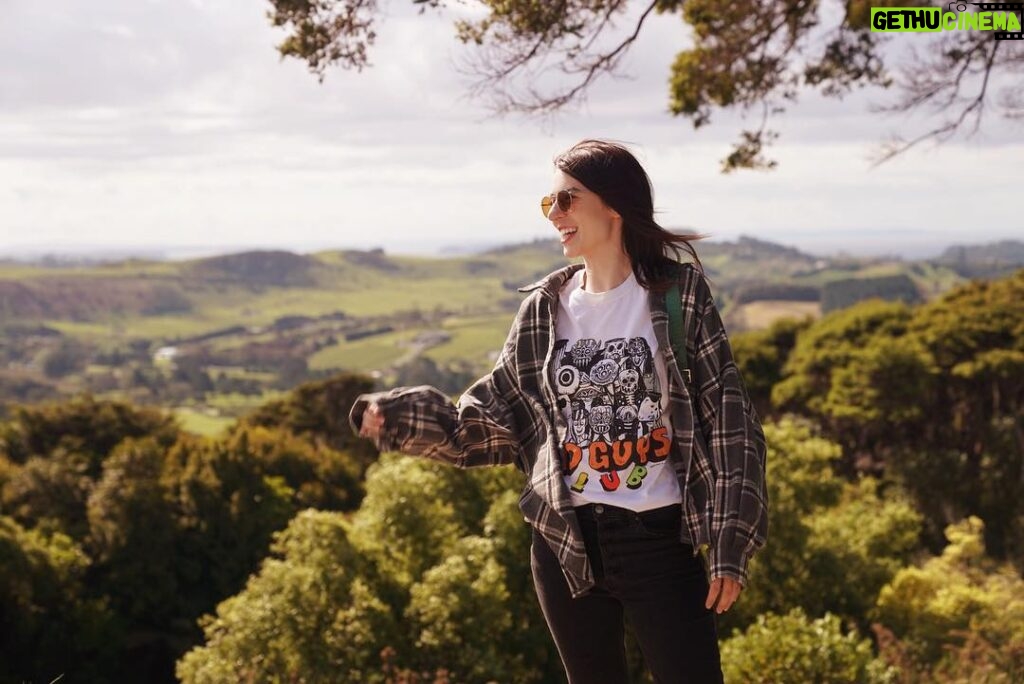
(840, 294)
(835, 294)
(896, 486)
(119, 531)
(784, 291)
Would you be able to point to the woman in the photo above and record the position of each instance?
(645, 480)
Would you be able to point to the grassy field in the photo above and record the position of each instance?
(126, 329)
(366, 354)
(472, 298)
(761, 314)
(201, 422)
(240, 373)
(472, 338)
(234, 404)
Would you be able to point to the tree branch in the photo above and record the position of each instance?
(494, 73)
(930, 85)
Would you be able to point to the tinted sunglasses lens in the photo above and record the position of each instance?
(563, 198)
(545, 205)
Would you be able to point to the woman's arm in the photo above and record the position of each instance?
(736, 445)
(481, 429)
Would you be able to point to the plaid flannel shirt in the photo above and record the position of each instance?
(511, 416)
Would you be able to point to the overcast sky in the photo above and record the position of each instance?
(151, 123)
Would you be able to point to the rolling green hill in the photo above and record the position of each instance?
(190, 333)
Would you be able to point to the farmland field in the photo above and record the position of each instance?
(215, 337)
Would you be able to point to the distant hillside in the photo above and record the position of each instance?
(743, 272)
(217, 336)
(84, 298)
(840, 294)
(374, 258)
(747, 247)
(279, 268)
(973, 261)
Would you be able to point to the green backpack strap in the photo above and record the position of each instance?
(674, 304)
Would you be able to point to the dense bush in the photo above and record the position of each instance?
(319, 411)
(960, 614)
(834, 543)
(48, 626)
(119, 531)
(840, 294)
(930, 396)
(793, 649)
(427, 572)
(82, 425)
(166, 525)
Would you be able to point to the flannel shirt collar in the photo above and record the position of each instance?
(552, 283)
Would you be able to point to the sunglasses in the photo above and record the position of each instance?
(563, 198)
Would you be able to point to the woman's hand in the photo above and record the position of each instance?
(724, 591)
(373, 421)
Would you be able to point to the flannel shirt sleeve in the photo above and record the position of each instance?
(479, 430)
(736, 445)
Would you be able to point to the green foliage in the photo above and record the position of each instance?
(319, 476)
(856, 547)
(967, 458)
(132, 530)
(47, 624)
(793, 649)
(172, 524)
(227, 507)
(930, 394)
(511, 538)
(761, 356)
(801, 464)
(941, 609)
(840, 294)
(460, 613)
(824, 555)
(414, 512)
(83, 426)
(881, 387)
(829, 345)
(309, 615)
(319, 411)
(747, 55)
(431, 573)
(427, 576)
(325, 31)
(50, 492)
(972, 320)
(800, 483)
(741, 58)
(172, 532)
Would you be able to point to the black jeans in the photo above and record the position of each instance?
(644, 574)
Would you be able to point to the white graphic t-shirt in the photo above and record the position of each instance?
(612, 388)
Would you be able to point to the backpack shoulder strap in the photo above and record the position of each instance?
(676, 329)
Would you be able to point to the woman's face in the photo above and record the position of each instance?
(590, 227)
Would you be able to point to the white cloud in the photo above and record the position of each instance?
(159, 122)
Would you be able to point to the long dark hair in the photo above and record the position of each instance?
(611, 171)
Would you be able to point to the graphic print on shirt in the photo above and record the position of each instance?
(614, 401)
